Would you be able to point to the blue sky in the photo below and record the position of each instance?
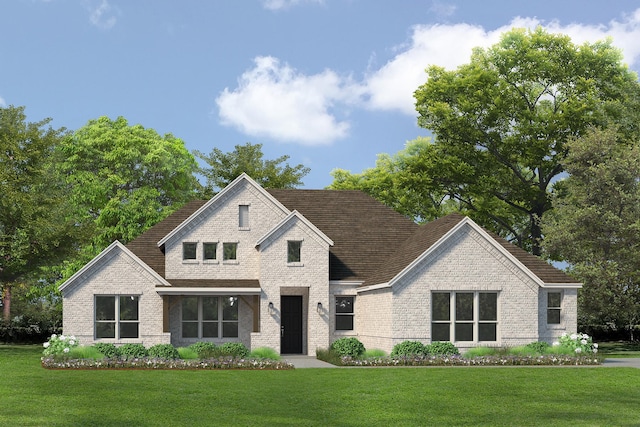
(328, 82)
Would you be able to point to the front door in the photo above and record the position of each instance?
(291, 325)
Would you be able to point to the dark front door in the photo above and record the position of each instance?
(291, 325)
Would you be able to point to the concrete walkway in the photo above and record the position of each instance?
(622, 363)
(299, 361)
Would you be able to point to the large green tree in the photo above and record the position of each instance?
(595, 226)
(501, 123)
(225, 167)
(125, 178)
(36, 226)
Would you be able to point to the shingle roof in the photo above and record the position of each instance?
(372, 242)
(364, 231)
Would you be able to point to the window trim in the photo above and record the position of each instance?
(351, 314)
(220, 318)
(117, 314)
(558, 308)
(294, 263)
(475, 321)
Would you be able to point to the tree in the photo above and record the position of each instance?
(595, 226)
(225, 167)
(125, 178)
(393, 182)
(36, 227)
(502, 121)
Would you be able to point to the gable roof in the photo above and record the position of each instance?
(364, 231)
(435, 232)
(228, 189)
(115, 246)
(301, 218)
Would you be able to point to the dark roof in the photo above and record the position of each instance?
(146, 247)
(364, 231)
(372, 242)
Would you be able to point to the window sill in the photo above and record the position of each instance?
(190, 261)
(230, 262)
(295, 264)
(244, 228)
(211, 261)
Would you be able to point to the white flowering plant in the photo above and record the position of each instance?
(59, 345)
(578, 343)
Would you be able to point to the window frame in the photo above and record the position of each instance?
(226, 245)
(193, 245)
(206, 245)
(298, 252)
(222, 323)
(554, 309)
(243, 217)
(345, 314)
(460, 323)
(118, 322)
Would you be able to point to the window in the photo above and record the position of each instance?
(554, 302)
(116, 316)
(210, 317)
(293, 250)
(474, 315)
(189, 250)
(344, 313)
(229, 251)
(209, 251)
(243, 216)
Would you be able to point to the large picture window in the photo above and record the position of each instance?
(209, 317)
(344, 313)
(464, 316)
(116, 316)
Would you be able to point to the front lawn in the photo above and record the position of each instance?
(33, 396)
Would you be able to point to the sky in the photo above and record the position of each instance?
(327, 82)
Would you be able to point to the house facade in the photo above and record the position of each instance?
(295, 270)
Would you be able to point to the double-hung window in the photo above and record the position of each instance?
(209, 317)
(554, 306)
(464, 316)
(116, 316)
(344, 313)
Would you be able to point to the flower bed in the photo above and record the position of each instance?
(51, 362)
(508, 360)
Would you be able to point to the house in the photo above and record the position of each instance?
(295, 270)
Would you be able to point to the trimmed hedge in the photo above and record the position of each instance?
(348, 347)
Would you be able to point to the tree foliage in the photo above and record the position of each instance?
(595, 226)
(36, 227)
(397, 182)
(501, 123)
(225, 167)
(125, 178)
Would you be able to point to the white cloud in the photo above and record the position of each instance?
(279, 102)
(391, 87)
(103, 15)
(275, 100)
(285, 4)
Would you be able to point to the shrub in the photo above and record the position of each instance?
(441, 348)
(186, 353)
(374, 353)
(539, 347)
(348, 346)
(108, 350)
(163, 351)
(203, 349)
(85, 352)
(59, 345)
(408, 348)
(578, 343)
(133, 351)
(235, 349)
(265, 353)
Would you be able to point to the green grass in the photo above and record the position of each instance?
(620, 349)
(32, 396)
